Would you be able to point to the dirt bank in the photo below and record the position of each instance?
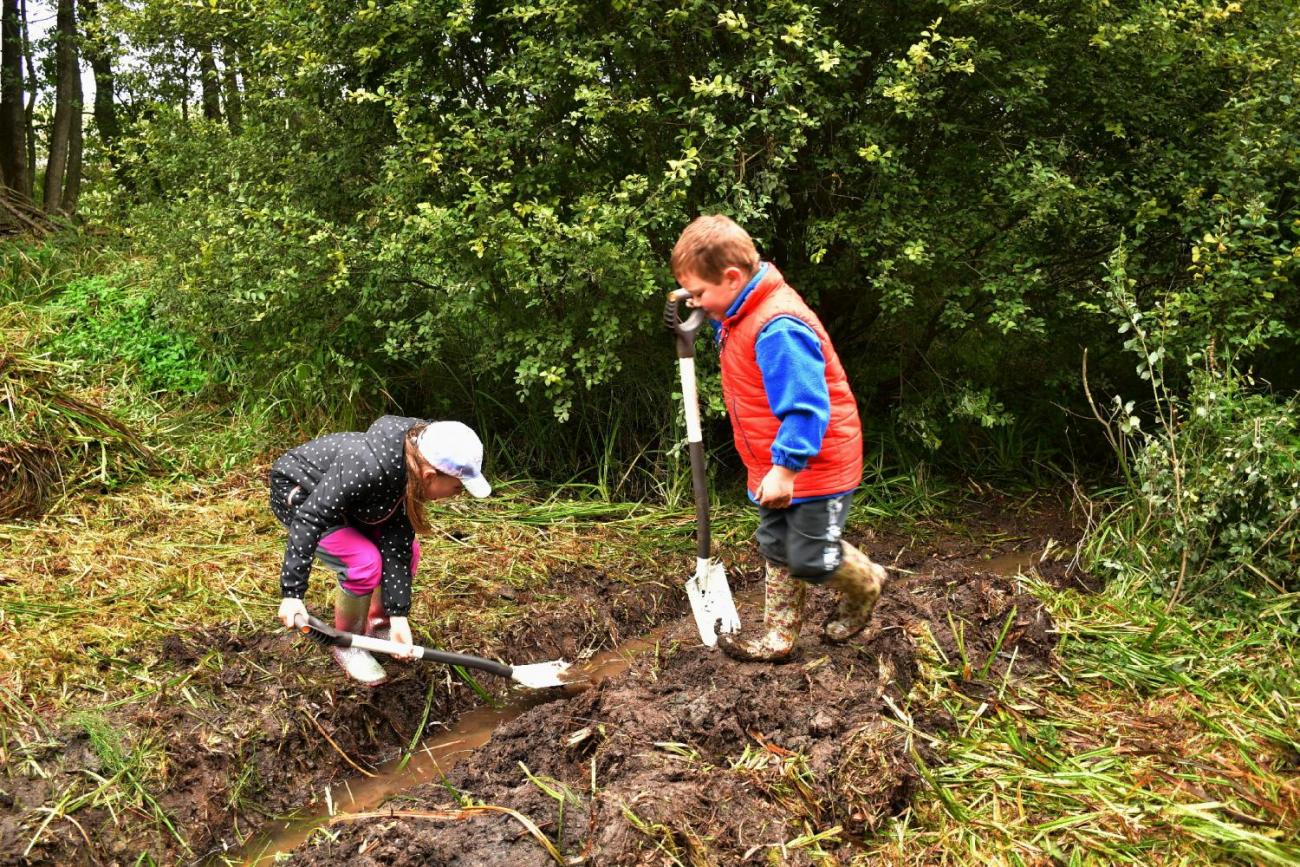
(692, 757)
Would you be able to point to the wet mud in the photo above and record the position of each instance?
(690, 756)
(685, 755)
(257, 723)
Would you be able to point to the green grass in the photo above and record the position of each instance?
(1162, 738)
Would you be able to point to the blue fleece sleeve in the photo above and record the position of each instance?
(794, 375)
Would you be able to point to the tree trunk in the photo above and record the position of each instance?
(98, 52)
(29, 113)
(230, 77)
(72, 183)
(13, 139)
(209, 84)
(66, 70)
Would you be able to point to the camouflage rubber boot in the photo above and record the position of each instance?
(377, 621)
(782, 620)
(350, 615)
(859, 582)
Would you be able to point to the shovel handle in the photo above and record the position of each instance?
(685, 330)
(340, 638)
(685, 333)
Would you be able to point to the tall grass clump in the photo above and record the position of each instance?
(52, 438)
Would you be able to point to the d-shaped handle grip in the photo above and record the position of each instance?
(684, 329)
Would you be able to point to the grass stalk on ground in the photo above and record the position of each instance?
(1161, 738)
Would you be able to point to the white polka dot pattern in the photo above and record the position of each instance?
(352, 479)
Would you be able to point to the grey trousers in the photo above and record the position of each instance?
(805, 537)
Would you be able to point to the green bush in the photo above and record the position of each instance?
(107, 323)
(1222, 485)
(428, 202)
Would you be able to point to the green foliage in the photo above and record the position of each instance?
(1214, 481)
(106, 323)
(428, 202)
(1216, 490)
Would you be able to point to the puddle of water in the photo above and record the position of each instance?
(433, 759)
(1011, 563)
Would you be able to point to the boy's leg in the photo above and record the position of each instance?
(860, 582)
(819, 555)
(782, 620)
(356, 562)
(813, 542)
(783, 602)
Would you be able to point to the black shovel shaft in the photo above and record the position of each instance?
(340, 638)
(447, 657)
(700, 485)
(684, 333)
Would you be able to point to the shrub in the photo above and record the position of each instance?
(108, 323)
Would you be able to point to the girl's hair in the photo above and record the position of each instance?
(415, 501)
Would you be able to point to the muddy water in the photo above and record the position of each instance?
(439, 754)
(434, 758)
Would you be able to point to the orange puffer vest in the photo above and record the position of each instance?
(838, 466)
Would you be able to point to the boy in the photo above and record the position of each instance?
(796, 427)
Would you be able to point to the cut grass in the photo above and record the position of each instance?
(1161, 738)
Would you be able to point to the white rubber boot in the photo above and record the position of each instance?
(359, 665)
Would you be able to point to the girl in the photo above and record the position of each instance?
(355, 501)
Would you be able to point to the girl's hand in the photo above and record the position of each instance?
(400, 632)
(290, 610)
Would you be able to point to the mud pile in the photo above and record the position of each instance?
(694, 757)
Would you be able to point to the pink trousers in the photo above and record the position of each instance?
(354, 557)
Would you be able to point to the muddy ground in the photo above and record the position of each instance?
(253, 724)
(692, 758)
(686, 755)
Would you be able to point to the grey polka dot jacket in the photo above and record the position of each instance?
(357, 480)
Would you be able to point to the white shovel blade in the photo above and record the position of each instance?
(711, 601)
(540, 675)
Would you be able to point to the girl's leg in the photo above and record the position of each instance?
(356, 562)
(377, 621)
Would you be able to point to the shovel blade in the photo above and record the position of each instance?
(711, 602)
(541, 675)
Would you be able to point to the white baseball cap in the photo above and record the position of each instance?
(453, 448)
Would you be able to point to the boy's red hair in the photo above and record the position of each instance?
(710, 245)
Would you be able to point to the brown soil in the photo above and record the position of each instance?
(245, 733)
(253, 745)
(694, 757)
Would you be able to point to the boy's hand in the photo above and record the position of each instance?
(776, 489)
(400, 632)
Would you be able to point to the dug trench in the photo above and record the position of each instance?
(689, 757)
(685, 752)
